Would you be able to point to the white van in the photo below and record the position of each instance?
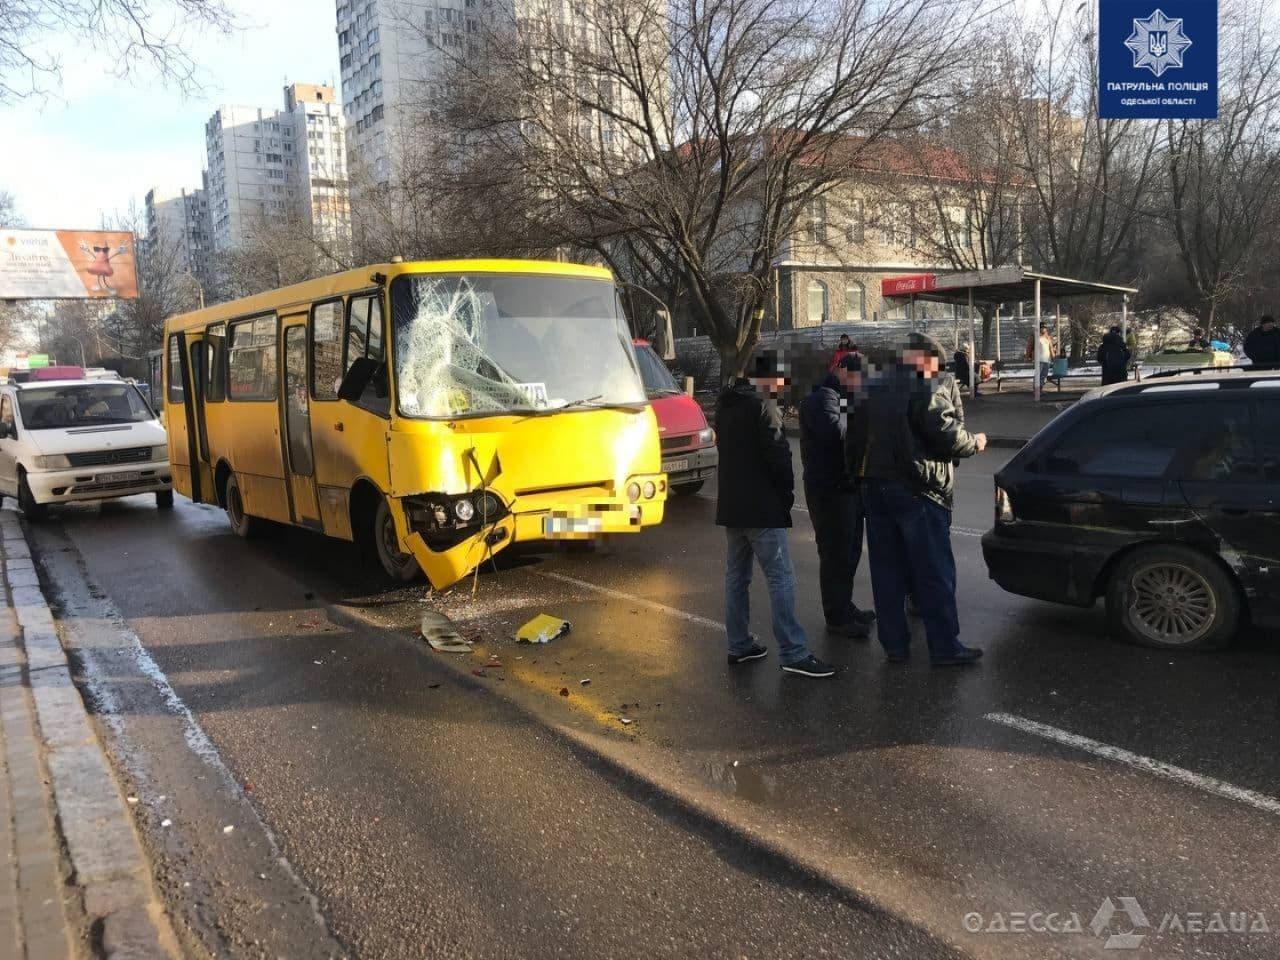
(72, 440)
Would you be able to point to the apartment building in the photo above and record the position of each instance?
(179, 231)
(268, 165)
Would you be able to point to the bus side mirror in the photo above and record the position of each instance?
(358, 376)
(665, 336)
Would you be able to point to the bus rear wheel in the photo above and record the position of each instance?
(242, 525)
(400, 567)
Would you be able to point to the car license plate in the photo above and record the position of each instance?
(120, 477)
(553, 526)
(675, 466)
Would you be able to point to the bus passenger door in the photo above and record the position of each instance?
(198, 397)
(177, 421)
(300, 459)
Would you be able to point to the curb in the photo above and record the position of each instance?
(106, 856)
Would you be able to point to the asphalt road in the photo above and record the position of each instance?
(392, 801)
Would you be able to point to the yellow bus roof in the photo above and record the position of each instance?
(361, 278)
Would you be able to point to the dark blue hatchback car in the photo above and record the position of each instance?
(1163, 497)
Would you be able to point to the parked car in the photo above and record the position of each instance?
(72, 440)
(689, 454)
(1163, 497)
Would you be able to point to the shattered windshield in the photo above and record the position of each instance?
(469, 345)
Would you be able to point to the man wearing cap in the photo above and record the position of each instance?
(1262, 346)
(756, 492)
(834, 504)
(902, 447)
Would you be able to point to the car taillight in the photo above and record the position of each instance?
(1004, 509)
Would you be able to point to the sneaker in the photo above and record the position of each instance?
(854, 630)
(960, 657)
(810, 666)
(756, 651)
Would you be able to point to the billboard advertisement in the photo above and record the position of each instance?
(67, 264)
(1158, 59)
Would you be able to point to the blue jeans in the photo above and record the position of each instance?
(909, 542)
(1045, 370)
(769, 547)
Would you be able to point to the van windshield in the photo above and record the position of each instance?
(81, 405)
(483, 344)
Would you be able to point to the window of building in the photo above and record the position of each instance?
(817, 302)
(856, 230)
(854, 302)
(251, 359)
(173, 370)
(818, 220)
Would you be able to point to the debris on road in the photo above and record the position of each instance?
(585, 682)
(542, 629)
(564, 691)
(494, 662)
(228, 828)
(131, 800)
(438, 630)
(478, 673)
(626, 721)
(166, 822)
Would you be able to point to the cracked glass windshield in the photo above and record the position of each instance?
(469, 345)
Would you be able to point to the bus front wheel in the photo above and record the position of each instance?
(242, 525)
(400, 567)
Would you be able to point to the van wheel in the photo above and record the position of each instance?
(400, 567)
(27, 503)
(242, 525)
(164, 499)
(1173, 598)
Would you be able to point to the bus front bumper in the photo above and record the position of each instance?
(571, 522)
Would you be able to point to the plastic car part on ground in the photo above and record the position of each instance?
(438, 630)
(542, 629)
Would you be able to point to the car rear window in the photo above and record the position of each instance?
(1136, 440)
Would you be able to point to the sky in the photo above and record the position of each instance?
(98, 142)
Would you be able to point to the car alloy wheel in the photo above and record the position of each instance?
(1171, 604)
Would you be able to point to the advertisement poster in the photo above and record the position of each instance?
(1158, 59)
(67, 265)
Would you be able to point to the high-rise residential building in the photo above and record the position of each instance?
(179, 231)
(277, 166)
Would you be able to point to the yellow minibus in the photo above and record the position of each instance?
(434, 412)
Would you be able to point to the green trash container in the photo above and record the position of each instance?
(1059, 368)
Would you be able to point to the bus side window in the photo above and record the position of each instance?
(173, 370)
(215, 350)
(364, 339)
(326, 350)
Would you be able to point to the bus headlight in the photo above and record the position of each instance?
(649, 489)
(633, 491)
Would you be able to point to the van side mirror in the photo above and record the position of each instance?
(358, 376)
(665, 336)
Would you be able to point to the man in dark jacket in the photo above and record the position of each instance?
(834, 505)
(754, 506)
(902, 447)
(1262, 346)
(1114, 357)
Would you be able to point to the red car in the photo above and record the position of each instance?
(689, 453)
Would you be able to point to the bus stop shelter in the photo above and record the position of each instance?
(994, 288)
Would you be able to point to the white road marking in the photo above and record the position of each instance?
(1259, 801)
(632, 598)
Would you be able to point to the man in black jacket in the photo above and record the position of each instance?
(1114, 357)
(902, 447)
(835, 506)
(1262, 346)
(754, 506)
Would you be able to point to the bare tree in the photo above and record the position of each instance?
(277, 251)
(157, 34)
(1222, 175)
(681, 142)
(1090, 179)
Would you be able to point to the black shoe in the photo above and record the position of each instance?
(865, 617)
(810, 666)
(755, 652)
(854, 630)
(959, 658)
(898, 656)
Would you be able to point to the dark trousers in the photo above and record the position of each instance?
(909, 540)
(837, 527)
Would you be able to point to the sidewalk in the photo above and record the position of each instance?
(73, 879)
